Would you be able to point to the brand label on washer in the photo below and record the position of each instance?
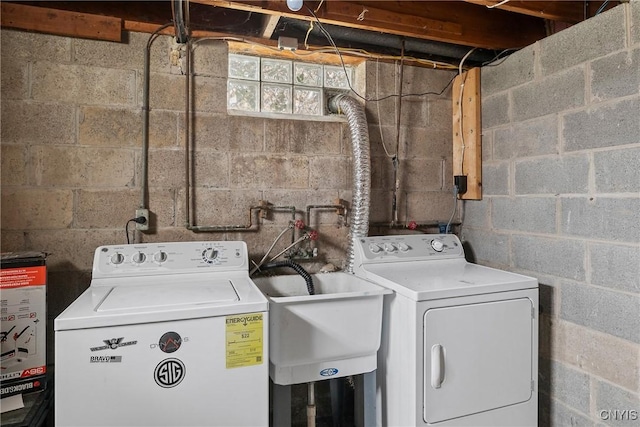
(105, 359)
(169, 373)
(244, 340)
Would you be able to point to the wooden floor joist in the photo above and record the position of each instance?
(61, 22)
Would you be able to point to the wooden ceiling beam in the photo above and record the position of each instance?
(269, 23)
(60, 22)
(564, 11)
(449, 22)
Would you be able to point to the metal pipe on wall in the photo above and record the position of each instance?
(396, 159)
(144, 164)
(340, 208)
(187, 138)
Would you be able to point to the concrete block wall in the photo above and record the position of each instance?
(71, 152)
(422, 143)
(561, 144)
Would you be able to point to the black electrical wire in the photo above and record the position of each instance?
(602, 7)
(137, 220)
(335, 47)
(297, 268)
(490, 63)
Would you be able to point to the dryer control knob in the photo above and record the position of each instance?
(209, 254)
(403, 247)
(389, 247)
(375, 248)
(117, 258)
(160, 256)
(139, 258)
(437, 245)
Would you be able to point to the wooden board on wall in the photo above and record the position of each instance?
(467, 132)
(61, 22)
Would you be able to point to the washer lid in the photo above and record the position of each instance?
(444, 278)
(159, 300)
(126, 298)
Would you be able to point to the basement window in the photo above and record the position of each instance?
(283, 87)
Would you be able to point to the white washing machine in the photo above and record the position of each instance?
(459, 341)
(168, 334)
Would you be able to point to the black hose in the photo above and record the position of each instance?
(298, 269)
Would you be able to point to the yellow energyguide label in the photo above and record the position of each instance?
(244, 340)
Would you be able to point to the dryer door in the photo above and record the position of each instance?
(477, 357)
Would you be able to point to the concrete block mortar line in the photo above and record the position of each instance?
(558, 398)
(488, 143)
(72, 51)
(29, 80)
(510, 106)
(557, 298)
(593, 394)
(512, 262)
(558, 216)
(591, 183)
(588, 74)
(627, 25)
(609, 382)
(29, 167)
(571, 409)
(74, 207)
(537, 65)
(179, 131)
(138, 82)
(512, 178)
(613, 290)
(600, 104)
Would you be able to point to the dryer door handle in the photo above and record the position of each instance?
(437, 365)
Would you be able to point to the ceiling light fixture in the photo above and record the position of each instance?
(294, 5)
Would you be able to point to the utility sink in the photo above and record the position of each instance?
(331, 334)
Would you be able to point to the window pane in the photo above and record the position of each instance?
(244, 67)
(307, 74)
(335, 77)
(243, 95)
(276, 98)
(275, 70)
(307, 101)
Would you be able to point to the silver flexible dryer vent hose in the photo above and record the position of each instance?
(358, 128)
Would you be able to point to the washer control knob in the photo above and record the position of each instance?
(209, 254)
(437, 245)
(117, 258)
(403, 247)
(139, 258)
(375, 248)
(389, 247)
(160, 257)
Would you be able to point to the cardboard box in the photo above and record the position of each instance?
(23, 291)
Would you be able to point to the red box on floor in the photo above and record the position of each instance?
(23, 300)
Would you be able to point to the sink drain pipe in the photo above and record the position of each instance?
(359, 219)
(311, 404)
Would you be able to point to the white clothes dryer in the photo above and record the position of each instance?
(459, 341)
(168, 334)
